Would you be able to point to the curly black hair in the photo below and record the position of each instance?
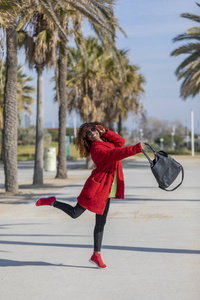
(83, 144)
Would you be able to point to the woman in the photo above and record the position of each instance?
(106, 180)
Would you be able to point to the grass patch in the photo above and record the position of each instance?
(73, 152)
(27, 152)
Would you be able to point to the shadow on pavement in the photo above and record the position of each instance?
(109, 247)
(48, 235)
(3, 226)
(151, 200)
(15, 263)
(28, 199)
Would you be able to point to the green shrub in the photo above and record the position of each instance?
(70, 131)
(168, 140)
(54, 134)
(47, 137)
(182, 151)
(27, 136)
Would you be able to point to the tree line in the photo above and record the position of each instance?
(107, 82)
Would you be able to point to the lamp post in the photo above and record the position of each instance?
(192, 132)
(161, 143)
(172, 134)
(141, 134)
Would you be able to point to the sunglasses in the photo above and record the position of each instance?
(88, 133)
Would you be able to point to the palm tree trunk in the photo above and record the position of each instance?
(1, 157)
(38, 168)
(62, 161)
(119, 124)
(10, 113)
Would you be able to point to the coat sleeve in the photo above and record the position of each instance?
(103, 156)
(115, 138)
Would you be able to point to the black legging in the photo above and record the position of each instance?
(76, 211)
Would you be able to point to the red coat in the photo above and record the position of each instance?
(106, 156)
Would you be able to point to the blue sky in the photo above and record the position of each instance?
(150, 26)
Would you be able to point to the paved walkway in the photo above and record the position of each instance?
(26, 169)
(151, 242)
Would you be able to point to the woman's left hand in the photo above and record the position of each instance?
(142, 145)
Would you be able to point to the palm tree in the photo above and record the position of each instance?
(103, 22)
(98, 12)
(97, 90)
(98, 15)
(39, 42)
(121, 93)
(9, 20)
(130, 88)
(189, 69)
(12, 13)
(61, 95)
(10, 17)
(10, 111)
(84, 78)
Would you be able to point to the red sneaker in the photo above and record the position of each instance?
(45, 201)
(97, 260)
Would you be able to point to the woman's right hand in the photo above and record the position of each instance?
(142, 145)
(101, 129)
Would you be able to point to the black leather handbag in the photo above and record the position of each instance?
(164, 168)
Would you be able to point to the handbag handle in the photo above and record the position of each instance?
(178, 184)
(149, 159)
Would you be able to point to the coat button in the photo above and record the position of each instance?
(105, 183)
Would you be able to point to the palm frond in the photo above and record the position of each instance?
(193, 31)
(192, 17)
(186, 49)
(187, 63)
(50, 11)
(186, 36)
(188, 70)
